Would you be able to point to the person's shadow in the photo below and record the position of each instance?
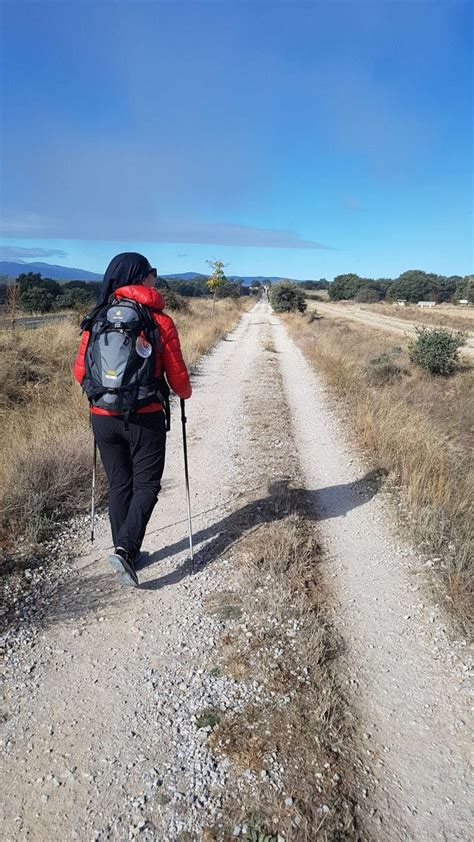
(321, 504)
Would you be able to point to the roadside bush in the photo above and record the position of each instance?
(173, 300)
(436, 350)
(286, 297)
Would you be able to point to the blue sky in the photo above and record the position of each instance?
(286, 138)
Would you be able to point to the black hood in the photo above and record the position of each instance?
(123, 270)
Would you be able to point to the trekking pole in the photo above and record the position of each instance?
(186, 475)
(94, 473)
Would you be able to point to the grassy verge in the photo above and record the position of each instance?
(45, 451)
(416, 427)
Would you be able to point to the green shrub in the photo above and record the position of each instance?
(286, 297)
(173, 300)
(436, 350)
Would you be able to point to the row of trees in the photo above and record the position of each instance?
(42, 295)
(314, 285)
(414, 285)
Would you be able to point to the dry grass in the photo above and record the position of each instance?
(317, 294)
(45, 451)
(418, 428)
(199, 332)
(444, 315)
(298, 721)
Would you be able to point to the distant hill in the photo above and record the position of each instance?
(186, 276)
(48, 270)
(69, 273)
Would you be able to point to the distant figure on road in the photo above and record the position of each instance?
(128, 344)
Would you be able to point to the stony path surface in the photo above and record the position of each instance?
(100, 733)
(100, 737)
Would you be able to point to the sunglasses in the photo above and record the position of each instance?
(153, 272)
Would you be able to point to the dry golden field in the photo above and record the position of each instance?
(453, 316)
(45, 451)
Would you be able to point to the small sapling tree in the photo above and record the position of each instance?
(216, 281)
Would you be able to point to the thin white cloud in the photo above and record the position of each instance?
(20, 252)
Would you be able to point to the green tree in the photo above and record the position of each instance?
(74, 299)
(286, 297)
(446, 288)
(465, 289)
(37, 300)
(37, 293)
(216, 280)
(367, 295)
(321, 284)
(230, 289)
(345, 287)
(415, 285)
(382, 285)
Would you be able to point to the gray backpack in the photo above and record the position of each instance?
(118, 376)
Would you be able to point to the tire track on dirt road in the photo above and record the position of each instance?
(414, 703)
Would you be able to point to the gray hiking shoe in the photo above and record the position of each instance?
(121, 562)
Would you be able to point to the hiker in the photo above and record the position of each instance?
(128, 344)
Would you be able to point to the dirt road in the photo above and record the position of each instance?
(100, 727)
(376, 320)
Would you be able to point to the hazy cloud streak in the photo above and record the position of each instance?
(19, 252)
(218, 234)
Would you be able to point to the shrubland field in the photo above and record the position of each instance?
(46, 447)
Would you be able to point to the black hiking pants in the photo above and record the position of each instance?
(133, 460)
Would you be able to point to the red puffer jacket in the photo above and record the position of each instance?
(170, 360)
